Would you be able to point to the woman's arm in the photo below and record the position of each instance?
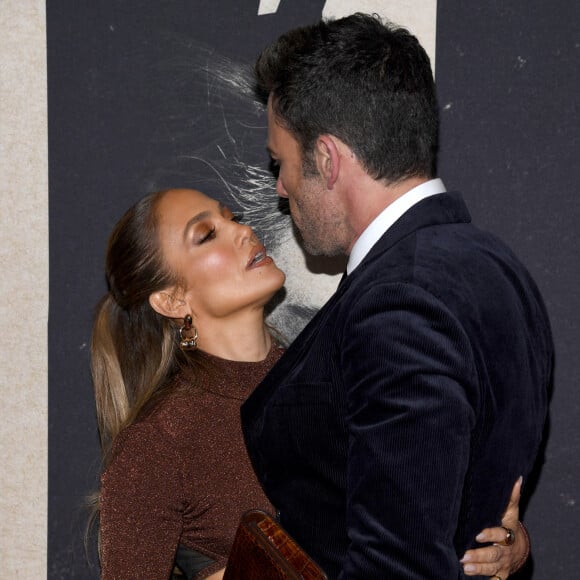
(140, 521)
(500, 560)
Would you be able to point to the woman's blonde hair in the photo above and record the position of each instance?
(134, 350)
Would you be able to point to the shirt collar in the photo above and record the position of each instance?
(375, 230)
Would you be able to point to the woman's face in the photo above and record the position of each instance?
(222, 265)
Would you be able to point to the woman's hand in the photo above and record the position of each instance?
(500, 559)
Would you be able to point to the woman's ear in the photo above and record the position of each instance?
(168, 303)
(327, 159)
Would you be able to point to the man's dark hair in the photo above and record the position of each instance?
(370, 84)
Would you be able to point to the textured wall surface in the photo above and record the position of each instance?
(23, 289)
(507, 74)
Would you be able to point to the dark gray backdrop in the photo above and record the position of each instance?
(132, 107)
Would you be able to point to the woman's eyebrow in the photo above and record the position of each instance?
(200, 217)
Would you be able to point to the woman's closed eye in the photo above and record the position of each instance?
(209, 232)
(207, 235)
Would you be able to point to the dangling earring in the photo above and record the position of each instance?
(187, 342)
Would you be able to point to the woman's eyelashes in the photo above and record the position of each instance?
(207, 235)
(210, 233)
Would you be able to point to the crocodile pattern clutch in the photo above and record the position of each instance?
(262, 550)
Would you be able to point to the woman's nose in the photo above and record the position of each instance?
(245, 233)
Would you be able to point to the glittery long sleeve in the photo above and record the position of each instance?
(142, 498)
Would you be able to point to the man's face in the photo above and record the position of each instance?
(316, 211)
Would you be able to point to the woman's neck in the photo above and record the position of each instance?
(243, 338)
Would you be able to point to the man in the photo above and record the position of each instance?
(395, 425)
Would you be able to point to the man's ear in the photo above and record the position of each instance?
(168, 303)
(327, 159)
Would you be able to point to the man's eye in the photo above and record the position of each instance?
(275, 167)
(238, 217)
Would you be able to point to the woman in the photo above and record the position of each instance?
(179, 343)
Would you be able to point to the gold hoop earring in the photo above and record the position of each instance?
(187, 342)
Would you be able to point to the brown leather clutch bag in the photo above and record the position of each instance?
(262, 550)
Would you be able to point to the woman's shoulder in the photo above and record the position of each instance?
(159, 425)
(144, 437)
(161, 436)
(172, 413)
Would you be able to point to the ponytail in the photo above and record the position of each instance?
(134, 349)
(133, 354)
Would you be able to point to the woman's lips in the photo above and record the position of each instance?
(259, 258)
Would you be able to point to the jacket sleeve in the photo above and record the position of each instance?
(411, 390)
(140, 515)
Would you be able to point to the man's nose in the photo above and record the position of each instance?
(280, 189)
